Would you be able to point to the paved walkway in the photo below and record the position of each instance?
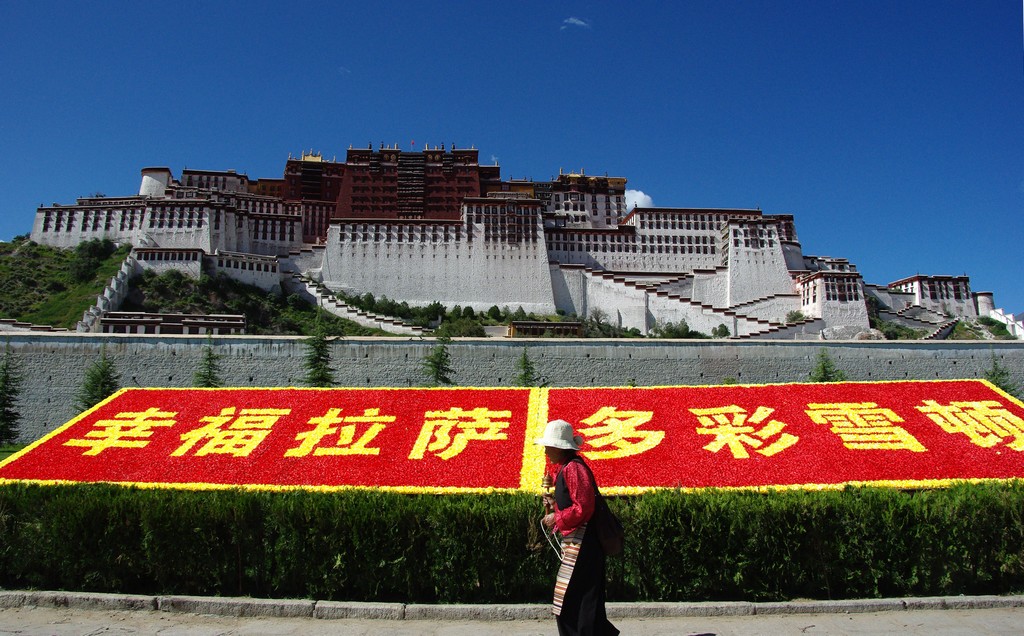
(66, 614)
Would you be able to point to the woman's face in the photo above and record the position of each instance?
(555, 455)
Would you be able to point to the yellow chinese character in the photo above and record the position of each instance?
(239, 438)
(478, 424)
(617, 431)
(865, 426)
(135, 426)
(733, 428)
(985, 423)
(325, 425)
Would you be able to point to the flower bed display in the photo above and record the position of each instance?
(904, 434)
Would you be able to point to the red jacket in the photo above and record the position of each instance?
(581, 490)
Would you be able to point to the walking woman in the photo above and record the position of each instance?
(579, 588)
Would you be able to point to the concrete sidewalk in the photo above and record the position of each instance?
(37, 613)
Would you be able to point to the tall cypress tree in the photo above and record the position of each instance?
(10, 389)
(318, 359)
(1000, 376)
(437, 364)
(528, 372)
(101, 381)
(208, 374)
(825, 370)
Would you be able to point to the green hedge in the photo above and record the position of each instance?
(374, 546)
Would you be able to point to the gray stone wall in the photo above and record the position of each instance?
(54, 364)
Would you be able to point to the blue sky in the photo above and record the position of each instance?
(892, 130)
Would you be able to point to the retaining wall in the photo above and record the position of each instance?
(54, 364)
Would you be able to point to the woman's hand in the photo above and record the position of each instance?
(549, 503)
(549, 521)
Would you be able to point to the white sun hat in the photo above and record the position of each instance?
(559, 434)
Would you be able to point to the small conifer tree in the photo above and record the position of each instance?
(437, 365)
(528, 372)
(1000, 376)
(318, 359)
(825, 370)
(101, 381)
(10, 389)
(208, 374)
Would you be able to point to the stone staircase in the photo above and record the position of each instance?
(662, 287)
(111, 297)
(316, 294)
(943, 330)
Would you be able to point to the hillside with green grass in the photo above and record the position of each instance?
(48, 286)
(268, 314)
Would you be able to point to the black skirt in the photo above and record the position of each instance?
(583, 611)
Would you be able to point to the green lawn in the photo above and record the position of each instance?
(6, 451)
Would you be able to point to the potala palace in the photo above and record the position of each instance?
(435, 225)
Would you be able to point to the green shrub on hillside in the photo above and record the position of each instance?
(460, 327)
(996, 328)
(795, 316)
(895, 331)
(682, 330)
(87, 257)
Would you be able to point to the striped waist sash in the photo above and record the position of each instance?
(570, 550)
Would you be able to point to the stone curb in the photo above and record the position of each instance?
(331, 610)
(229, 606)
(85, 600)
(477, 612)
(674, 610)
(335, 610)
(832, 607)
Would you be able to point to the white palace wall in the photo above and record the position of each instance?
(259, 271)
(622, 305)
(711, 287)
(120, 220)
(171, 223)
(569, 286)
(447, 269)
(756, 273)
(621, 257)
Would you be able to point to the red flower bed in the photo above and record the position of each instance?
(907, 434)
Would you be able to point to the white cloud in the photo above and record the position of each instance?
(636, 198)
(574, 22)
(344, 71)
